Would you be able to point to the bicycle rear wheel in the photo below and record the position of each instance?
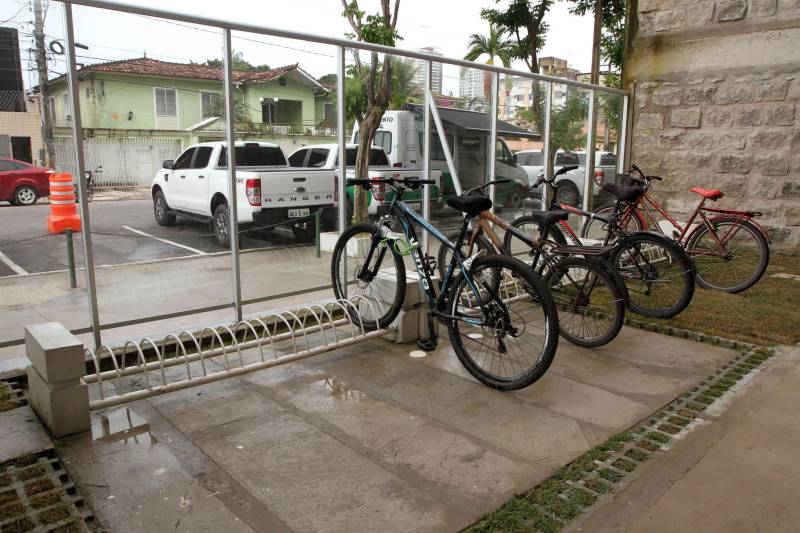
(658, 274)
(370, 275)
(732, 258)
(595, 229)
(505, 337)
(590, 302)
(528, 226)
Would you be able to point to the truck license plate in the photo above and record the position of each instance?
(297, 213)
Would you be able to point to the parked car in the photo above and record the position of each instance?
(605, 166)
(568, 186)
(269, 191)
(326, 156)
(22, 183)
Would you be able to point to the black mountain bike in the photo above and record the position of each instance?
(501, 319)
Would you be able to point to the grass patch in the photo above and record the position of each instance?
(11, 510)
(648, 445)
(8, 496)
(54, 514)
(658, 437)
(39, 486)
(31, 473)
(694, 406)
(669, 428)
(637, 454)
(598, 485)
(769, 306)
(516, 515)
(624, 464)
(76, 526)
(610, 475)
(41, 501)
(18, 526)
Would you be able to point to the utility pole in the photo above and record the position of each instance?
(598, 30)
(44, 99)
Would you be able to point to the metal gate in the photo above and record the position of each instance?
(118, 161)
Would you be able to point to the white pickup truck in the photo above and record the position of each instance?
(326, 156)
(269, 191)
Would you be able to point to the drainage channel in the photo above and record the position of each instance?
(143, 368)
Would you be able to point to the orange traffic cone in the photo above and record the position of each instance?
(63, 214)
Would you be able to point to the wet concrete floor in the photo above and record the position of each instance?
(366, 438)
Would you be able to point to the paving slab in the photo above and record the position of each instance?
(21, 433)
(738, 473)
(367, 438)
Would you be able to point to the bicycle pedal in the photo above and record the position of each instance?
(427, 345)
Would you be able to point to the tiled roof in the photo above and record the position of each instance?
(152, 67)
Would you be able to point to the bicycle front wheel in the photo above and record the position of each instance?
(731, 257)
(506, 337)
(596, 230)
(658, 274)
(529, 226)
(590, 302)
(370, 275)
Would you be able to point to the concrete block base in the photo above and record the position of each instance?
(63, 411)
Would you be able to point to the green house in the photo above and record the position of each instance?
(142, 110)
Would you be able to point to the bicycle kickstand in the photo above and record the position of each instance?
(429, 344)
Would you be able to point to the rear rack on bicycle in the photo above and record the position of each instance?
(569, 249)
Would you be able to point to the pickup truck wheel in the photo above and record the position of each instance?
(567, 194)
(161, 210)
(222, 226)
(25, 195)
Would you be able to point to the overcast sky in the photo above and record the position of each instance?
(443, 24)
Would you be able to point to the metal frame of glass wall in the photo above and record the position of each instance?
(431, 117)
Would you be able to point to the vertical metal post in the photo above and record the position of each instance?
(445, 147)
(73, 282)
(623, 158)
(77, 138)
(233, 196)
(548, 100)
(588, 179)
(317, 224)
(492, 151)
(426, 151)
(342, 170)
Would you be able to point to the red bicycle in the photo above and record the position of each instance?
(729, 249)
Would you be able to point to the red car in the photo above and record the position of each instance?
(22, 183)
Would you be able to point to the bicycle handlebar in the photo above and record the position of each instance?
(634, 168)
(368, 183)
(559, 172)
(479, 187)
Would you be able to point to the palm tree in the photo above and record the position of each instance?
(495, 45)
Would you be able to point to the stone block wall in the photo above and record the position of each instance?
(716, 104)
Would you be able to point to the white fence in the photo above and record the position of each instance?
(118, 161)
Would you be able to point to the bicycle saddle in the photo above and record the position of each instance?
(549, 217)
(710, 194)
(623, 193)
(471, 205)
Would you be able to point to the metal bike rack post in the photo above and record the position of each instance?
(548, 99)
(588, 180)
(492, 151)
(233, 211)
(445, 146)
(343, 222)
(622, 137)
(426, 151)
(77, 139)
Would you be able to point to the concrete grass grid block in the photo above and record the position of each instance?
(728, 10)
(55, 352)
(63, 411)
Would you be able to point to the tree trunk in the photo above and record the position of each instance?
(366, 134)
(598, 26)
(44, 94)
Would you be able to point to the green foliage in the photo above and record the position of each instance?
(239, 63)
(524, 21)
(612, 40)
(567, 123)
(376, 29)
(401, 86)
(495, 45)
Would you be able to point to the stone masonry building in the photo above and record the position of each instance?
(716, 104)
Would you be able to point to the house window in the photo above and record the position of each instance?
(268, 114)
(166, 103)
(65, 102)
(212, 104)
(327, 111)
(52, 108)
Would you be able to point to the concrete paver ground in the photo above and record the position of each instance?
(366, 438)
(737, 474)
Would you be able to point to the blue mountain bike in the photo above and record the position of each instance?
(500, 318)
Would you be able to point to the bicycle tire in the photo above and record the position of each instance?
(383, 307)
(633, 225)
(574, 301)
(551, 235)
(705, 269)
(534, 293)
(647, 261)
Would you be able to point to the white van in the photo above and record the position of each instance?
(400, 135)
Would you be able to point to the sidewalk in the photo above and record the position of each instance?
(737, 474)
(366, 438)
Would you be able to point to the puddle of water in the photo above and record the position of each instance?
(341, 390)
(122, 425)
